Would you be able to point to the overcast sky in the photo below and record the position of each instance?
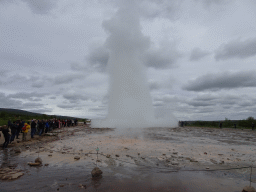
(200, 64)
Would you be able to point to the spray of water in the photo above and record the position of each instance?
(130, 104)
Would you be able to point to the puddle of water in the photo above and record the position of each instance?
(68, 178)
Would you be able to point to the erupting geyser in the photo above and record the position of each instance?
(130, 104)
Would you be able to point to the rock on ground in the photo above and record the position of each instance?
(10, 174)
(96, 172)
(76, 157)
(34, 164)
(174, 163)
(82, 186)
(17, 150)
(160, 158)
(193, 160)
(248, 189)
(38, 160)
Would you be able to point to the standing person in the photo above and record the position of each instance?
(5, 131)
(9, 123)
(41, 127)
(56, 123)
(25, 129)
(22, 123)
(51, 125)
(46, 126)
(59, 123)
(43, 121)
(220, 125)
(33, 128)
(252, 126)
(19, 129)
(37, 127)
(14, 127)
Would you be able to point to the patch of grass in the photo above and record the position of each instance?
(240, 124)
(14, 114)
(3, 122)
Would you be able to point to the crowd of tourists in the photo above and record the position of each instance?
(39, 127)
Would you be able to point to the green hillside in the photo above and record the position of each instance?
(15, 114)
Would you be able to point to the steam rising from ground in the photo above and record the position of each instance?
(130, 104)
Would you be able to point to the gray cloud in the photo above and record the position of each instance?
(3, 72)
(210, 104)
(167, 98)
(13, 60)
(32, 105)
(45, 49)
(21, 81)
(70, 106)
(200, 103)
(105, 99)
(206, 97)
(219, 105)
(204, 100)
(41, 7)
(153, 85)
(75, 97)
(41, 110)
(160, 58)
(229, 100)
(236, 49)
(163, 57)
(197, 54)
(224, 80)
(67, 78)
(7, 102)
(78, 67)
(66, 106)
(15, 79)
(98, 108)
(27, 95)
(161, 8)
(205, 110)
(38, 84)
(212, 2)
(98, 58)
(246, 103)
(158, 103)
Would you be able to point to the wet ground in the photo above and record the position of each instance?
(153, 159)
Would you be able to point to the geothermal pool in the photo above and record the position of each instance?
(140, 160)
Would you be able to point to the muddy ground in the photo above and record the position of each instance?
(161, 159)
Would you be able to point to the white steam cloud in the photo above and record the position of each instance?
(130, 104)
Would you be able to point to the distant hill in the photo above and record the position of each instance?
(19, 112)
